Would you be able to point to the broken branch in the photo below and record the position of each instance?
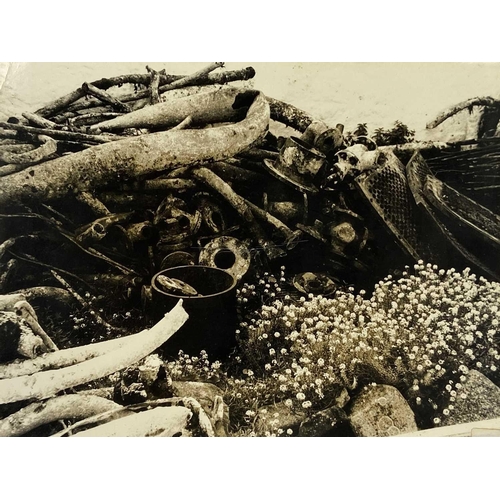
(48, 147)
(210, 79)
(190, 79)
(25, 311)
(186, 123)
(91, 118)
(215, 182)
(39, 121)
(63, 358)
(62, 134)
(289, 115)
(103, 96)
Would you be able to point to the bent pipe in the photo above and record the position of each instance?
(133, 157)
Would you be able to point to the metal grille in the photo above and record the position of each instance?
(387, 190)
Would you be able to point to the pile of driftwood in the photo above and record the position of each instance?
(105, 187)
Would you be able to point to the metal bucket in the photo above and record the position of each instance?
(212, 314)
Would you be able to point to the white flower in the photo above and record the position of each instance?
(300, 396)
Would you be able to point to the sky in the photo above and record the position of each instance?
(350, 93)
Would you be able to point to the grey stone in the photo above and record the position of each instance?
(271, 418)
(329, 422)
(205, 393)
(381, 410)
(482, 401)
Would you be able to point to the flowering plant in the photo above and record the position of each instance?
(421, 333)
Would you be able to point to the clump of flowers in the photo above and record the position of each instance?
(195, 368)
(421, 333)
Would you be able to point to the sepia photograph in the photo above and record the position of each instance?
(249, 249)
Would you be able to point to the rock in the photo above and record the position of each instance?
(482, 401)
(342, 399)
(205, 394)
(330, 422)
(145, 380)
(17, 339)
(381, 410)
(278, 419)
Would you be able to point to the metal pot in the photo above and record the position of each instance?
(212, 314)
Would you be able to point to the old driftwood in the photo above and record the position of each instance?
(453, 110)
(134, 157)
(68, 102)
(45, 384)
(228, 104)
(67, 406)
(161, 422)
(64, 357)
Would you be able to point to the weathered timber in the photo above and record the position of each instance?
(134, 157)
(42, 385)
(211, 79)
(48, 147)
(289, 115)
(469, 103)
(68, 406)
(61, 134)
(154, 84)
(103, 96)
(228, 104)
(239, 204)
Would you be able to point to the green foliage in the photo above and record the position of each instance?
(398, 134)
(361, 129)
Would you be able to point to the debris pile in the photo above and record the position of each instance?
(118, 206)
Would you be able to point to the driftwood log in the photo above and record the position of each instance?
(64, 357)
(289, 115)
(226, 105)
(160, 422)
(103, 96)
(456, 108)
(61, 134)
(46, 384)
(66, 102)
(134, 157)
(48, 147)
(68, 406)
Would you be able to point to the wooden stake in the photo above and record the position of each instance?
(153, 85)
